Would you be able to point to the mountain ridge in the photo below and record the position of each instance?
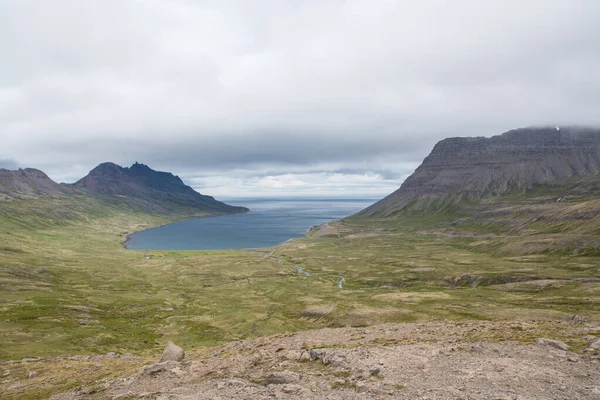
(138, 185)
(28, 182)
(477, 167)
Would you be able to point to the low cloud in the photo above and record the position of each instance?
(8, 164)
(251, 93)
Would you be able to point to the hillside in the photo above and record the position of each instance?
(479, 167)
(459, 293)
(138, 187)
(27, 183)
(141, 184)
(444, 304)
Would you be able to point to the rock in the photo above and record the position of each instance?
(177, 371)
(553, 343)
(152, 369)
(172, 352)
(293, 355)
(370, 371)
(291, 389)
(328, 357)
(361, 388)
(123, 396)
(282, 377)
(160, 367)
(317, 354)
(595, 345)
(373, 370)
(32, 374)
(232, 383)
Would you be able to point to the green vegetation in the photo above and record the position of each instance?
(68, 287)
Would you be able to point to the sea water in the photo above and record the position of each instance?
(269, 223)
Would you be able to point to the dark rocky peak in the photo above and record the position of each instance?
(143, 183)
(107, 168)
(141, 169)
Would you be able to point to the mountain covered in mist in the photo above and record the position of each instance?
(477, 167)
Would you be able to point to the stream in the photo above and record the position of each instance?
(301, 270)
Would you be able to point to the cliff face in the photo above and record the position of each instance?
(478, 167)
(140, 182)
(28, 182)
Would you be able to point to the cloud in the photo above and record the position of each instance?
(252, 90)
(323, 184)
(8, 164)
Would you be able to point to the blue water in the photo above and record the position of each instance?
(270, 222)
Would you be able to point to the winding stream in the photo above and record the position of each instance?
(301, 271)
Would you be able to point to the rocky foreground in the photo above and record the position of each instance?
(471, 360)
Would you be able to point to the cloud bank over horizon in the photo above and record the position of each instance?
(326, 97)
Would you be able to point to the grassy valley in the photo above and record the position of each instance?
(68, 287)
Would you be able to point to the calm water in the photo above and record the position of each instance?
(269, 223)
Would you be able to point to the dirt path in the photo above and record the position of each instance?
(473, 360)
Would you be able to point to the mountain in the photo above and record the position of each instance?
(28, 182)
(477, 167)
(138, 186)
(141, 183)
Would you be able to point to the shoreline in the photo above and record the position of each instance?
(126, 237)
(306, 234)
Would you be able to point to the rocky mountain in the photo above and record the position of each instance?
(138, 186)
(140, 182)
(28, 182)
(476, 167)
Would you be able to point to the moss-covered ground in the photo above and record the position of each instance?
(68, 287)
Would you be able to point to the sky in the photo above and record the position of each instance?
(322, 98)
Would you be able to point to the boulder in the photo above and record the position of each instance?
(172, 352)
(373, 370)
(557, 344)
(158, 368)
(328, 357)
(282, 378)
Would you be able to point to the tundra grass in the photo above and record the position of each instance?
(68, 287)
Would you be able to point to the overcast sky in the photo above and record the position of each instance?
(272, 97)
